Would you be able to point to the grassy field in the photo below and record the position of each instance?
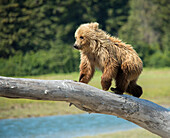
(135, 133)
(155, 83)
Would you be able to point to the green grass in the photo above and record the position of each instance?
(155, 83)
(15, 108)
(135, 133)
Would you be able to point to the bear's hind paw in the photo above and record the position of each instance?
(116, 91)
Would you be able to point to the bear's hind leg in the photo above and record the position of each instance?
(108, 73)
(134, 89)
(122, 83)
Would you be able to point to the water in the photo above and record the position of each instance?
(65, 126)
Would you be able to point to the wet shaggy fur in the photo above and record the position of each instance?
(116, 59)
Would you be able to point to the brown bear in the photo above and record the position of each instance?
(116, 59)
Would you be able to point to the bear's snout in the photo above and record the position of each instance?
(75, 46)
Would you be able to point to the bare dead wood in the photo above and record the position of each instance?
(144, 113)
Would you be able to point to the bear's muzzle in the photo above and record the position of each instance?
(75, 46)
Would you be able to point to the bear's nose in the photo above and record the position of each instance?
(75, 46)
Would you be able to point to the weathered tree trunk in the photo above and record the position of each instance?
(139, 111)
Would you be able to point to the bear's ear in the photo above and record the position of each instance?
(94, 25)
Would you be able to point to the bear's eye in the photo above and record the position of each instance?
(81, 37)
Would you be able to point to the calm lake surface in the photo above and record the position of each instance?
(65, 126)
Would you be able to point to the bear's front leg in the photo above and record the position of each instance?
(106, 83)
(85, 75)
(86, 70)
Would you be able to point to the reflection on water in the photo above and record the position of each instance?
(66, 126)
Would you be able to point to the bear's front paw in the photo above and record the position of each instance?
(116, 91)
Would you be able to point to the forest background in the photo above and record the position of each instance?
(36, 37)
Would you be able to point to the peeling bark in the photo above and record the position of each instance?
(144, 113)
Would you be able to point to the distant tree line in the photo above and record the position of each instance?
(36, 37)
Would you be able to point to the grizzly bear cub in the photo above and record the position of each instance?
(116, 59)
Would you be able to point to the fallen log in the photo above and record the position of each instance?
(144, 113)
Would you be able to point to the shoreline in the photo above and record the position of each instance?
(132, 133)
(32, 114)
